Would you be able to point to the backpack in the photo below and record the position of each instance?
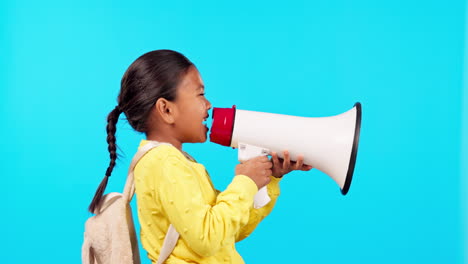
(109, 236)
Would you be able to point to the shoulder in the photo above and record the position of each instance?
(162, 152)
(162, 156)
(154, 164)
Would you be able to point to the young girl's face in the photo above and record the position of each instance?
(192, 108)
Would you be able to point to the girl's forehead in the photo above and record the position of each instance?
(192, 81)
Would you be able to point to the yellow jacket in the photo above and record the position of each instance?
(172, 189)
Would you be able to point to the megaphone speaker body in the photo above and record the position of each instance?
(329, 144)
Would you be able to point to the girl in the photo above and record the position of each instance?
(162, 95)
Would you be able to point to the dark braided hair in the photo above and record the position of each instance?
(153, 75)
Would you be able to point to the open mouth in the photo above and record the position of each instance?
(205, 123)
(205, 120)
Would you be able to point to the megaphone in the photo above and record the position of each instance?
(329, 144)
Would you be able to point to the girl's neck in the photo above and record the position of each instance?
(167, 139)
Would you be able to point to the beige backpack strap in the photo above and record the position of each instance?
(172, 235)
(129, 189)
(169, 244)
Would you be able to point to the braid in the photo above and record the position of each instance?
(112, 120)
(111, 128)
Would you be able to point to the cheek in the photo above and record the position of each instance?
(202, 104)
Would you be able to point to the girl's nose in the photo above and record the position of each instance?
(208, 105)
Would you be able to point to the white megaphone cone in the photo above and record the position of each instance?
(329, 144)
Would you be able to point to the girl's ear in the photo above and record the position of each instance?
(165, 110)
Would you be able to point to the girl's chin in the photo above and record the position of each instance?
(203, 138)
(203, 135)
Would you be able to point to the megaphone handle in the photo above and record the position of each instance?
(247, 152)
(261, 198)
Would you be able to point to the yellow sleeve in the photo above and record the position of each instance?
(205, 228)
(257, 215)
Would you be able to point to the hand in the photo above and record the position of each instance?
(258, 169)
(285, 166)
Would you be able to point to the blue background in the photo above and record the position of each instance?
(61, 65)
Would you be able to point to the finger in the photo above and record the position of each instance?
(274, 157)
(269, 172)
(268, 179)
(299, 162)
(263, 159)
(269, 165)
(306, 167)
(287, 160)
